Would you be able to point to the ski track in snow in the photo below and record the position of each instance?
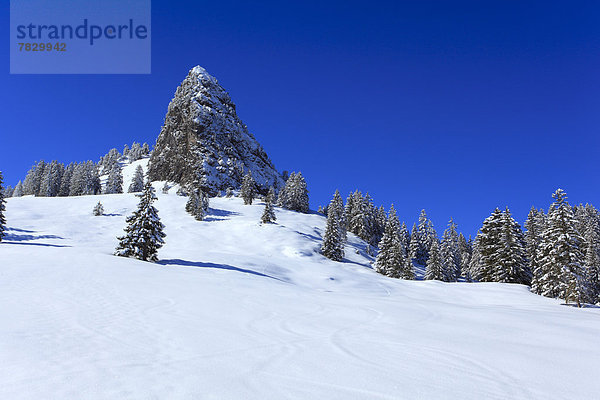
(243, 311)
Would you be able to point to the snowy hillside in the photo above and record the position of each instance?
(237, 310)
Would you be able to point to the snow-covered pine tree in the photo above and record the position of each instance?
(93, 185)
(535, 225)
(114, 183)
(18, 192)
(165, 188)
(283, 200)
(145, 149)
(144, 232)
(198, 202)
(511, 259)
(465, 252)
(434, 268)
(488, 245)
(336, 206)
(413, 246)
(450, 253)
(333, 242)
(248, 190)
(229, 192)
(98, 210)
(126, 151)
(269, 213)
(320, 210)
(78, 182)
(50, 186)
(136, 152)
(561, 258)
(297, 193)
(391, 259)
(65, 183)
(2, 209)
(592, 265)
(427, 236)
(405, 238)
(137, 182)
(8, 191)
(33, 180)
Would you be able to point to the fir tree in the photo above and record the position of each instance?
(144, 232)
(248, 190)
(296, 194)
(98, 210)
(336, 206)
(18, 192)
(198, 202)
(269, 213)
(465, 252)
(426, 236)
(535, 225)
(65, 184)
(561, 257)
(229, 192)
(137, 182)
(391, 259)
(450, 253)
(488, 246)
(511, 259)
(435, 267)
(114, 183)
(333, 238)
(2, 209)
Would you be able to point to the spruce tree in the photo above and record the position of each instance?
(18, 192)
(3, 227)
(434, 269)
(269, 213)
(511, 265)
(333, 242)
(336, 206)
(98, 210)
(137, 182)
(534, 225)
(465, 252)
(391, 259)
(450, 253)
(198, 202)
(248, 190)
(488, 245)
(296, 194)
(427, 236)
(114, 183)
(561, 258)
(144, 232)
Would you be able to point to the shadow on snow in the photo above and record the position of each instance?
(185, 263)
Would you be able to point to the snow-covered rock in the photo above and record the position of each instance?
(203, 137)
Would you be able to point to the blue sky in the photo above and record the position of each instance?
(455, 107)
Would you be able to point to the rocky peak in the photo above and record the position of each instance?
(203, 138)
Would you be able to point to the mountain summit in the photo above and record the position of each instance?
(203, 138)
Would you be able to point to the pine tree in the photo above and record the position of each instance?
(198, 202)
(296, 194)
(137, 182)
(98, 210)
(144, 232)
(450, 253)
(269, 213)
(333, 238)
(561, 258)
(511, 259)
(248, 190)
(114, 183)
(435, 267)
(413, 247)
(336, 206)
(465, 252)
(165, 188)
(426, 236)
(391, 259)
(488, 246)
(2, 209)
(535, 225)
(18, 192)
(229, 192)
(65, 184)
(592, 265)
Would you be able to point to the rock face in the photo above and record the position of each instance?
(203, 138)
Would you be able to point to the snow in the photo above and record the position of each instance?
(240, 310)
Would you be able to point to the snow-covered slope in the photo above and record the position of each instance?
(236, 310)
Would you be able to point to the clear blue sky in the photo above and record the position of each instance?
(455, 107)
